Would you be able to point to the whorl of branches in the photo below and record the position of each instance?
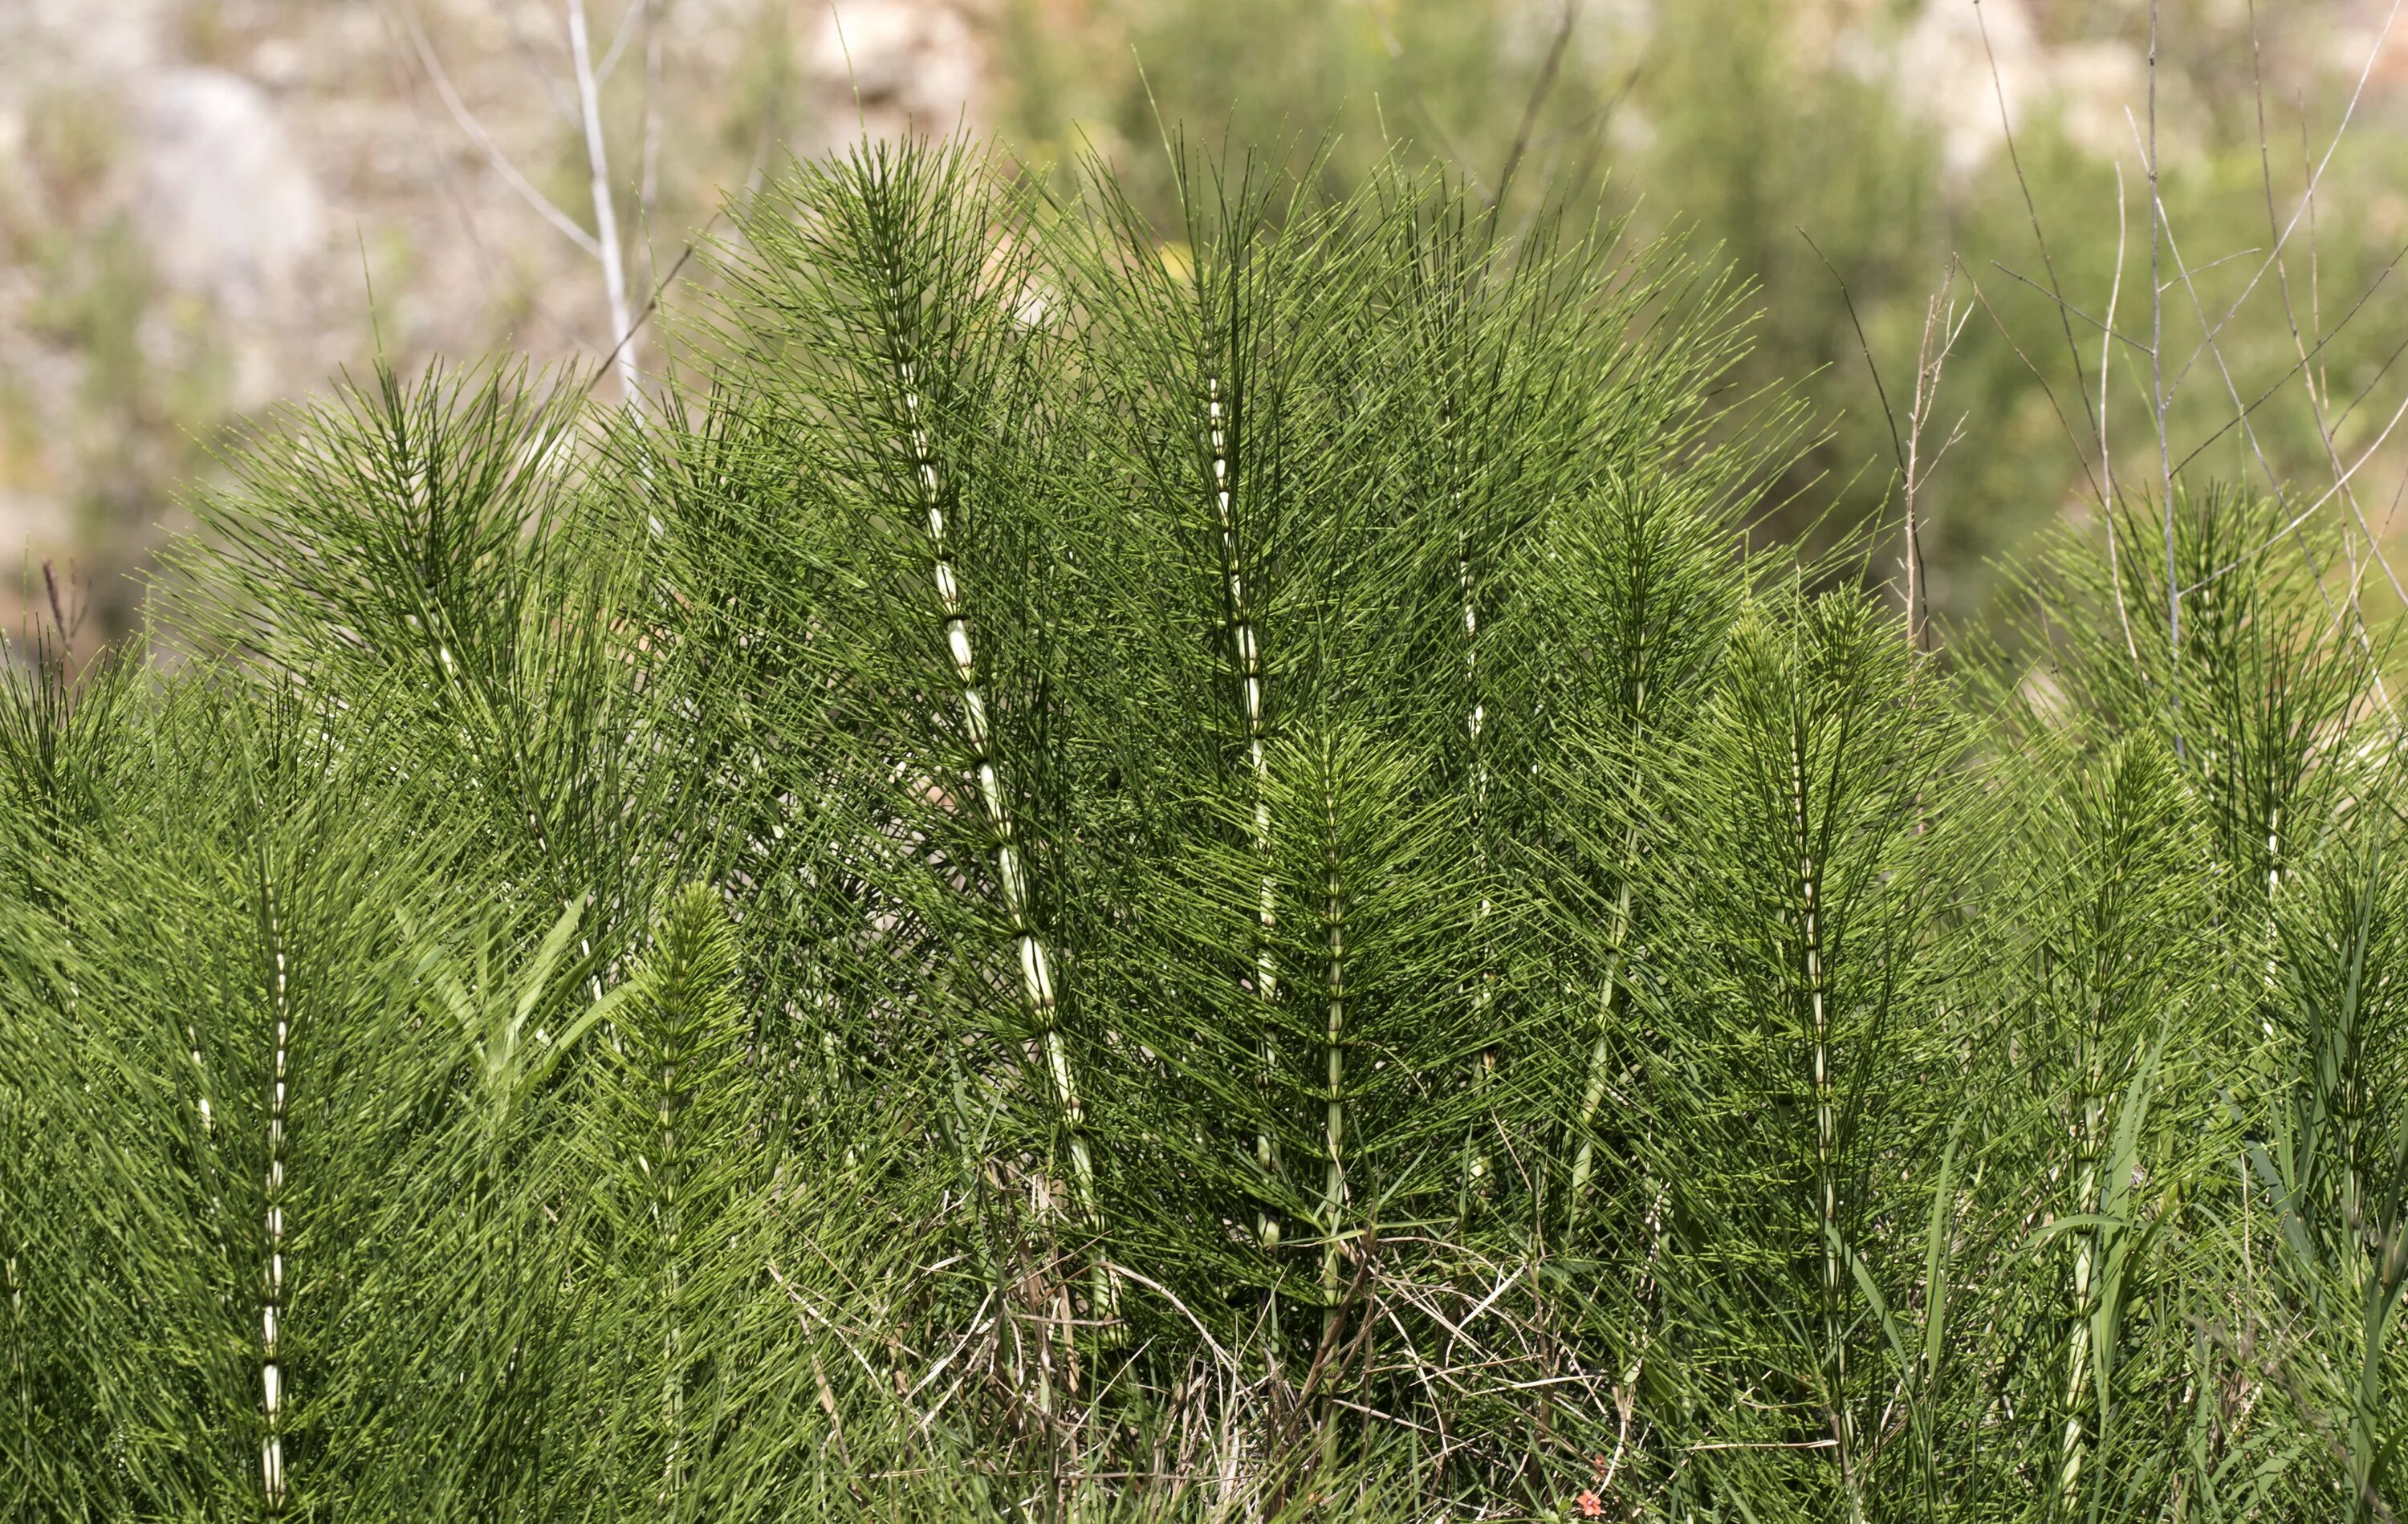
(1186, 873)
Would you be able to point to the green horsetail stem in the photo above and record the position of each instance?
(19, 1378)
(1601, 1043)
(1610, 991)
(1600, 1054)
(877, 1306)
(1484, 993)
(2089, 1142)
(1333, 920)
(275, 1392)
(1827, 1125)
(1011, 877)
(1246, 658)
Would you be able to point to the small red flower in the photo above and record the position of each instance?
(1597, 1464)
(1591, 1505)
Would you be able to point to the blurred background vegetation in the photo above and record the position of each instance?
(207, 205)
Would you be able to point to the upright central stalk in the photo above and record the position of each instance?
(1246, 658)
(1475, 1158)
(1611, 992)
(1602, 1045)
(1827, 1126)
(1010, 871)
(2086, 1247)
(1333, 919)
(271, 1308)
(20, 1379)
(668, 1207)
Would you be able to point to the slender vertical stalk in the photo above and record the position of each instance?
(666, 1207)
(1333, 1048)
(1593, 1100)
(606, 216)
(1940, 326)
(1333, 920)
(2158, 397)
(1600, 1046)
(648, 183)
(18, 1377)
(271, 1373)
(2106, 457)
(1011, 870)
(1913, 519)
(1475, 1158)
(2089, 1129)
(1246, 658)
(1827, 1125)
(208, 1159)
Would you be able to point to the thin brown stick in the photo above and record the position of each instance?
(652, 303)
(2081, 455)
(1942, 328)
(1539, 92)
(58, 604)
(2032, 210)
(1941, 325)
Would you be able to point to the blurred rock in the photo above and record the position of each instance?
(1954, 64)
(913, 62)
(106, 36)
(228, 205)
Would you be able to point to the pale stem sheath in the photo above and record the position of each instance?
(1599, 1056)
(667, 1208)
(1602, 1045)
(1333, 1195)
(1475, 1158)
(2086, 1244)
(1246, 655)
(16, 1349)
(271, 1308)
(1827, 1127)
(1011, 873)
(208, 1135)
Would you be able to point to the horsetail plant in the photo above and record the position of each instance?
(1121, 874)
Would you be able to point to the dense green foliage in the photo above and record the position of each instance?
(1873, 129)
(1102, 888)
